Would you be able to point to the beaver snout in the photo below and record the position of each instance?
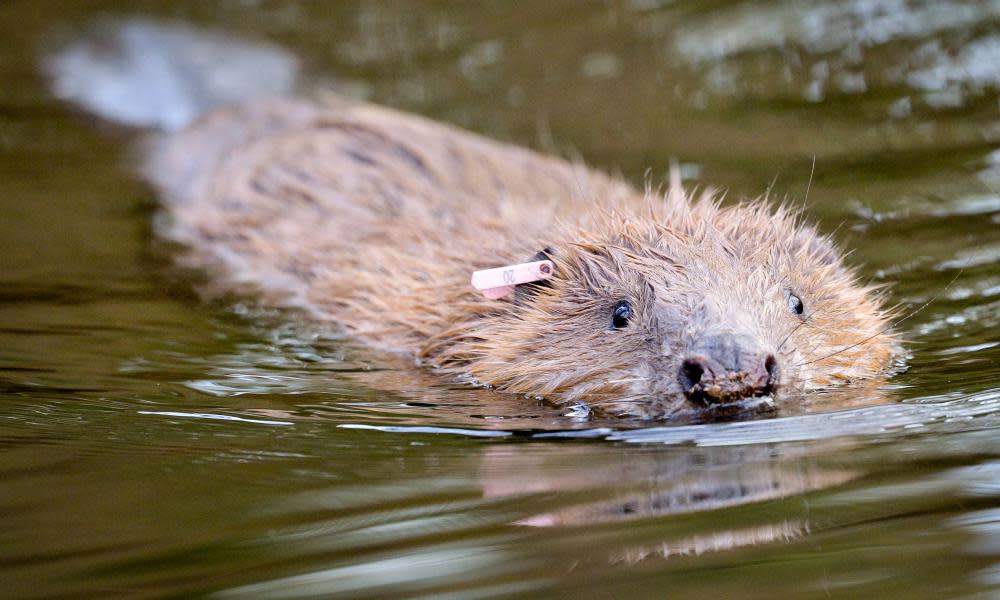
(725, 368)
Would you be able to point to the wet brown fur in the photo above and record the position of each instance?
(376, 219)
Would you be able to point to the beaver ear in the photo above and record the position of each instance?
(545, 253)
(527, 291)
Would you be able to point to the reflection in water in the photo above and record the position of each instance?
(649, 485)
(717, 542)
(532, 509)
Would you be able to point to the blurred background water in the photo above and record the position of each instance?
(157, 446)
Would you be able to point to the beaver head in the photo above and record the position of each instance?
(691, 307)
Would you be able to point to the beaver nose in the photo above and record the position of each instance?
(727, 367)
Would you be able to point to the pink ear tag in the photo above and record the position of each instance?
(497, 283)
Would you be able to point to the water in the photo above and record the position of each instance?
(155, 445)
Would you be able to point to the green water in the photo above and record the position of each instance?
(152, 445)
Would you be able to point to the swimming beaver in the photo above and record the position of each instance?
(658, 304)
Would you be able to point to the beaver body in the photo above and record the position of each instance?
(376, 219)
(660, 304)
(362, 214)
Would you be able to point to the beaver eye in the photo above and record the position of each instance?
(795, 304)
(621, 315)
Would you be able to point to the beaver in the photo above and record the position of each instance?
(660, 303)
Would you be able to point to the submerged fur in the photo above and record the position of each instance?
(376, 219)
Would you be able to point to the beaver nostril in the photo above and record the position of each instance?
(706, 381)
(690, 374)
(771, 368)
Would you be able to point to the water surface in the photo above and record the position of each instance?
(155, 445)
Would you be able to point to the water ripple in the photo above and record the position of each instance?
(213, 417)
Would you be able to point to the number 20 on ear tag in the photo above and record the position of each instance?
(497, 283)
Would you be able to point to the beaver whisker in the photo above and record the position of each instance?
(891, 325)
(617, 402)
(812, 172)
(812, 349)
(790, 333)
(846, 348)
(630, 380)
